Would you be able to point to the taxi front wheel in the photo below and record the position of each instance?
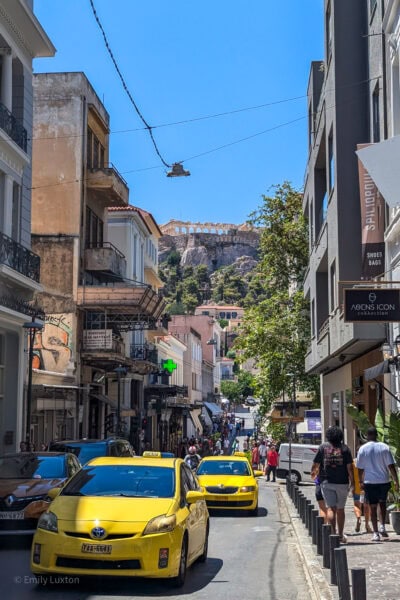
(179, 580)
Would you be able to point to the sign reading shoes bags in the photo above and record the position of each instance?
(371, 305)
(372, 224)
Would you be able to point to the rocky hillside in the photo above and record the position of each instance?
(213, 250)
(200, 267)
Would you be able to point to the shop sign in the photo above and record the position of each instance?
(97, 339)
(379, 305)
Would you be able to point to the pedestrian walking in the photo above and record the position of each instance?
(360, 507)
(226, 445)
(375, 464)
(333, 464)
(272, 463)
(262, 449)
(255, 456)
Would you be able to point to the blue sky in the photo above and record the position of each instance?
(187, 59)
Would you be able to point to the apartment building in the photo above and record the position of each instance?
(85, 373)
(22, 39)
(346, 108)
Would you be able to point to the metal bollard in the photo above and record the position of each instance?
(342, 573)
(296, 495)
(320, 523)
(310, 508)
(299, 495)
(303, 509)
(301, 505)
(315, 514)
(292, 490)
(358, 584)
(326, 559)
(334, 542)
(307, 514)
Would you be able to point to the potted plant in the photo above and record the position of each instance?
(394, 510)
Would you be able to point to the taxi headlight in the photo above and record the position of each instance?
(160, 524)
(247, 488)
(48, 521)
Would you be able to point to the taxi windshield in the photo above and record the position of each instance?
(132, 481)
(224, 467)
(32, 467)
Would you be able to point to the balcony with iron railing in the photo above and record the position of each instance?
(19, 258)
(105, 258)
(13, 128)
(108, 185)
(144, 352)
(134, 298)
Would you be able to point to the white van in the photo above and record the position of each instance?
(302, 459)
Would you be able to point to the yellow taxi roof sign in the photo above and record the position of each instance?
(239, 454)
(155, 454)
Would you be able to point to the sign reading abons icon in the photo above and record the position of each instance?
(379, 305)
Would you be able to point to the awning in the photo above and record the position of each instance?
(379, 369)
(214, 409)
(194, 415)
(206, 416)
(104, 399)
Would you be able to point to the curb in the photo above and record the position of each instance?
(314, 572)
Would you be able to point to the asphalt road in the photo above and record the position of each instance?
(250, 558)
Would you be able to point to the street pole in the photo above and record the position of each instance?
(29, 390)
(32, 327)
(291, 425)
(119, 371)
(119, 403)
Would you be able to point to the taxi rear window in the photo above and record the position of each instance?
(132, 481)
(224, 467)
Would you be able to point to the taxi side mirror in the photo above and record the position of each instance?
(258, 473)
(193, 496)
(53, 492)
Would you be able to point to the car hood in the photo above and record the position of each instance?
(226, 480)
(25, 488)
(120, 509)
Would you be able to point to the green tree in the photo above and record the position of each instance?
(230, 390)
(276, 330)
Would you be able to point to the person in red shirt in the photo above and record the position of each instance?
(255, 456)
(272, 463)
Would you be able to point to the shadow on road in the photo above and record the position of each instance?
(244, 514)
(198, 577)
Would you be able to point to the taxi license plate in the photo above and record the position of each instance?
(97, 548)
(12, 516)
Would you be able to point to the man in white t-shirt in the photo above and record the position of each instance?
(375, 464)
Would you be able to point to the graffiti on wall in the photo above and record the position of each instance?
(53, 345)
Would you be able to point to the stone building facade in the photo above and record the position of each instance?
(22, 39)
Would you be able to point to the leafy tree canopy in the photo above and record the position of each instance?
(275, 331)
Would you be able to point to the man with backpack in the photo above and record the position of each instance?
(333, 464)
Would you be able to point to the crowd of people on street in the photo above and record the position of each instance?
(369, 478)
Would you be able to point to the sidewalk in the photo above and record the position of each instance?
(381, 560)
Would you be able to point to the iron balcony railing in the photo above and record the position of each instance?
(13, 127)
(146, 352)
(19, 258)
(108, 245)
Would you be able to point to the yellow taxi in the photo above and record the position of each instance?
(229, 482)
(136, 517)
